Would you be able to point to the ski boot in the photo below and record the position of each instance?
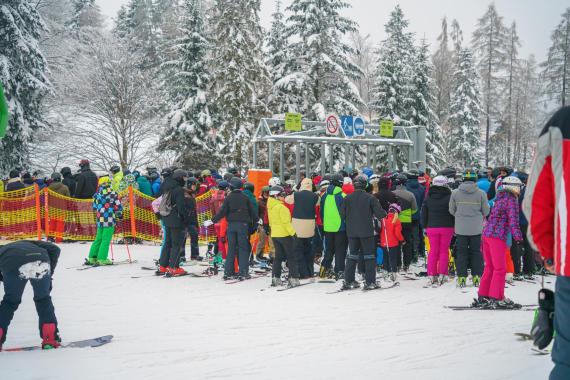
(393, 276)
(161, 270)
(349, 286)
(50, 336)
(462, 282)
(104, 262)
(323, 272)
(371, 286)
(481, 302)
(506, 303)
(339, 276)
(476, 281)
(293, 282)
(431, 281)
(518, 277)
(276, 281)
(509, 279)
(243, 277)
(442, 279)
(91, 261)
(175, 272)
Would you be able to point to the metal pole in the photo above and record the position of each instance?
(374, 158)
(270, 158)
(353, 157)
(323, 161)
(331, 157)
(390, 157)
(298, 163)
(411, 150)
(346, 156)
(282, 162)
(421, 143)
(368, 149)
(255, 155)
(307, 161)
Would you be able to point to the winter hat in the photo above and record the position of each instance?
(347, 180)
(324, 183)
(306, 184)
(223, 185)
(56, 177)
(274, 181)
(374, 178)
(236, 183)
(14, 174)
(440, 181)
(511, 184)
(276, 190)
(395, 207)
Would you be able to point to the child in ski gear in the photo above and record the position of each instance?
(407, 201)
(263, 229)
(283, 236)
(116, 175)
(438, 223)
(391, 239)
(334, 228)
(546, 207)
(303, 222)
(469, 206)
(33, 261)
(503, 220)
(108, 208)
(240, 215)
(359, 210)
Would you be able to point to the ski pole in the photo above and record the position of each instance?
(112, 253)
(128, 252)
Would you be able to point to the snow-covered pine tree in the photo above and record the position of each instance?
(489, 43)
(391, 91)
(85, 13)
(24, 74)
(319, 66)
(465, 118)
(513, 67)
(456, 36)
(442, 65)
(240, 77)
(556, 69)
(188, 127)
(421, 109)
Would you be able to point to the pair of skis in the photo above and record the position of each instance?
(86, 266)
(522, 308)
(364, 290)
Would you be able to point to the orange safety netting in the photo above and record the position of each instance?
(32, 213)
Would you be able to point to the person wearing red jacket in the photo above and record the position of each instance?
(391, 239)
(546, 208)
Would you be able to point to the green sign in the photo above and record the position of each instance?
(3, 113)
(293, 122)
(387, 128)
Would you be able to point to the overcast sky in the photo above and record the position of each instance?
(535, 19)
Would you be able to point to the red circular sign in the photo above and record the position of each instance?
(332, 124)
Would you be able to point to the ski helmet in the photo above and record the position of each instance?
(401, 179)
(511, 184)
(469, 175)
(440, 181)
(249, 186)
(235, 183)
(324, 183)
(65, 171)
(223, 185)
(374, 178)
(166, 172)
(360, 182)
(336, 179)
(368, 172)
(56, 177)
(115, 169)
(274, 181)
(179, 174)
(276, 191)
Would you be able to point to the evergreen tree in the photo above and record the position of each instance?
(512, 71)
(465, 117)
(85, 13)
(319, 69)
(189, 124)
(456, 36)
(489, 43)
(421, 110)
(443, 65)
(240, 77)
(24, 74)
(391, 91)
(556, 70)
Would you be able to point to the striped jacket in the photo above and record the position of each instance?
(548, 192)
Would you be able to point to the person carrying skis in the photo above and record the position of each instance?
(359, 210)
(409, 206)
(503, 221)
(469, 206)
(391, 239)
(334, 227)
(34, 261)
(283, 236)
(546, 205)
(108, 208)
(438, 223)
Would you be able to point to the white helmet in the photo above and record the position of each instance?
(347, 180)
(274, 181)
(374, 178)
(439, 181)
(324, 183)
(511, 184)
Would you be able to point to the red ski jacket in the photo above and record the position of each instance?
(391, 231)
(548, 193)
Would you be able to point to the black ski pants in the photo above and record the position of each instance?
(305, 257)
(192, 231)
(170, 255)
(336, 244)
(238, 245)
(364, 248)
(415, 240)
(408, 233)
(391, 257)
(14, 289)
(469, 255)
(285, 251)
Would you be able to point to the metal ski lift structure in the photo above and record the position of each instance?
(272, 131)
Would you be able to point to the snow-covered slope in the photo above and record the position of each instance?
(201, 328)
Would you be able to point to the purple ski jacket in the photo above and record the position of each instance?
(504, 218)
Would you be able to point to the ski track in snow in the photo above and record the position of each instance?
(201, 328)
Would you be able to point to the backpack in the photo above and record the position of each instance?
(165, 207)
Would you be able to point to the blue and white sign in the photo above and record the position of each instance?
(347, 125)
(358, 126)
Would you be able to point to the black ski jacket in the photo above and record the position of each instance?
(86, 185)
(435, 210)
(179, 216)
(16, 254)
(237, 207)
(358, 211)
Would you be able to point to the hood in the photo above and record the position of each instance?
(468, 187)
(413, 184)
(438, 192)
(142, 179)
(333, 190)
(272, 202)
(306, 184)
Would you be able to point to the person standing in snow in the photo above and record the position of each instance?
(438, 223)
(263, 229)
(108, 207)
(469, 206)
(34, 261)
(503, 221)
(142, 183)
(546, 207)
(409, 206)
(116, 175)
(86, 184)
(359, 210)
(391, 239)
(68, 180)
(419, 191)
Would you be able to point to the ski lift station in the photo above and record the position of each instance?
(347, 132)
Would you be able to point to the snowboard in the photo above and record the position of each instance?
(94, 342)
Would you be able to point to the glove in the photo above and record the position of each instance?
(208, 223)
(543, 325)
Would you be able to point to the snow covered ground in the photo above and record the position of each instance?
(201, 328)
